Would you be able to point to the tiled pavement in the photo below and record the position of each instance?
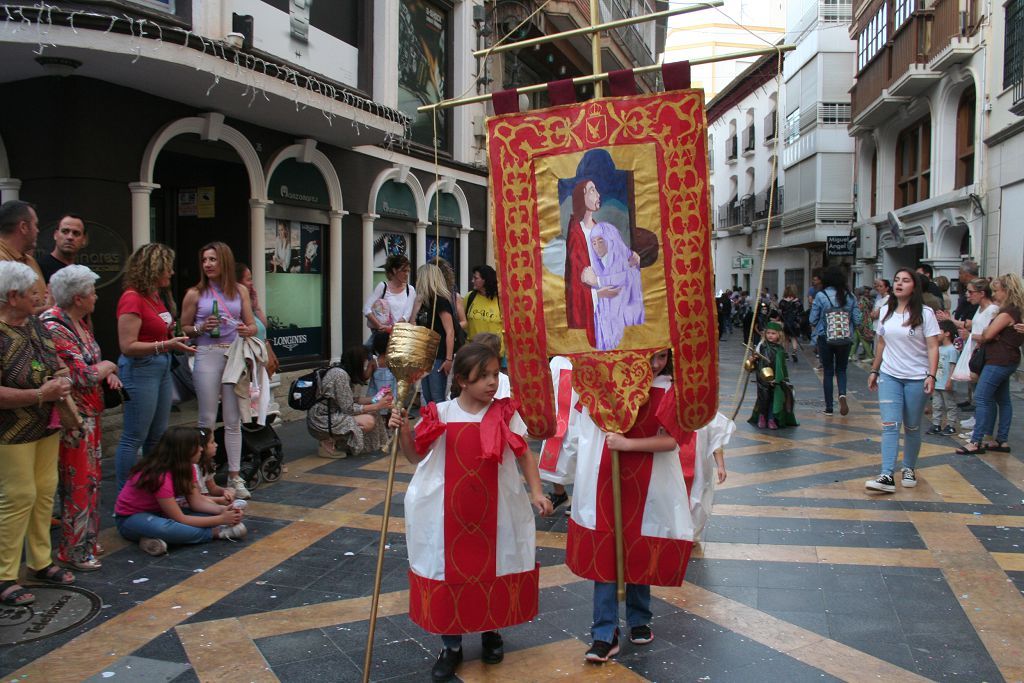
(802, 576)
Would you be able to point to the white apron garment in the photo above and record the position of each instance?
(710, 437)
(424, 507)
(557, 463)
(504, 387)
(658, 549)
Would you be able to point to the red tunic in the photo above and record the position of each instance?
(579, 301)
(650, 560)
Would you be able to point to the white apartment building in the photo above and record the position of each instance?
(817, 152)
(738, 25)
(916, 117)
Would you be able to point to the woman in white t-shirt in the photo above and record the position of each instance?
(391, 301)
(903, 373)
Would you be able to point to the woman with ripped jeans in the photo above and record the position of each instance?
(903, 373)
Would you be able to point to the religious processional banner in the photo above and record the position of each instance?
(602, 237)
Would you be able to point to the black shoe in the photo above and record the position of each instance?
(949, 430)
(963, 404)
(601, 651)
(883, 483)
(557, 499)
(935, 429)
(641, 635)
(493, 647)
(969, 408)
(447, 662)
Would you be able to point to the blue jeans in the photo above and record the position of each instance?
(900, 401)
(151, 525)
(148, 383)
(833, 363)
(434, 385)
(606, 609)
(992, 392)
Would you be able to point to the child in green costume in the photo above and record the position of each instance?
(774, 407)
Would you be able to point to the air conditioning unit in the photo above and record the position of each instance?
(867, 243)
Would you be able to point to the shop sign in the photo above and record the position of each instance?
(742, 262)
(295, 342)
(206, 200)
(838, 245)
(299, 184)
(395, 200)
(106, 252)
(449, 212)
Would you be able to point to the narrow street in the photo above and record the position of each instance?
(802, 576)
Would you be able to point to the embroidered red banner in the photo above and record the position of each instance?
(602, 236)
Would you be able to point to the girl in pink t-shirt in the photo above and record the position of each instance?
(147, 511)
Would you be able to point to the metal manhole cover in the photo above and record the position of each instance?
(56, 609)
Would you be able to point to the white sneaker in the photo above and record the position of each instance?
(231, 533)
(153, 546)
(968, 423)
(238, 484)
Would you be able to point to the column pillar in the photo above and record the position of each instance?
(368, 219)
(10, 189)
(258, 244)
(464, 233)
(140, 212)
(421, 242)
(334, 275)
(489, 233)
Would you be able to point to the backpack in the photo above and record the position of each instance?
(838, 324)
(304, 390)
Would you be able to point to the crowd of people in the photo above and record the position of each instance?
(928, 354)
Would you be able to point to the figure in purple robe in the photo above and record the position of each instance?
(615, 266)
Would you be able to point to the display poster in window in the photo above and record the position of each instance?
(295, 287)
(387, 244)
(423, 67)
(443, 247)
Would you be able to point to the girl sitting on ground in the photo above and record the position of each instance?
(147, 511)
(206, 468)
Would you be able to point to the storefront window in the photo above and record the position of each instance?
(423, 38)
(295, 262)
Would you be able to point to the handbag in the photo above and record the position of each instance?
(272, 363)
(977, 361)
(112, 398)
(70, 418)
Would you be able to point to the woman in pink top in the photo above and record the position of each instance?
(213, 335)
(147, 510)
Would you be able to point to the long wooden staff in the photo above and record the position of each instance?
(620, 549)
(389, 489)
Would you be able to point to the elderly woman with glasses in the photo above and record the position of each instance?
(74, 290)
(28, 436)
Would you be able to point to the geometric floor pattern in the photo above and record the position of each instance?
(801, 576)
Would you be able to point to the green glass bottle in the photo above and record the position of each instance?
(215, 332)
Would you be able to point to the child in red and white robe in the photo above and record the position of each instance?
(656, 464)
(558, 453)
(469, 527)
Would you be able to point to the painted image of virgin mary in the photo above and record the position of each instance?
(582, 290)
(614, 267)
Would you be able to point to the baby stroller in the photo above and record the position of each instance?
(262, 454)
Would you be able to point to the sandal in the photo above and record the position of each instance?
(55, 575)
(557, 499)
(999, 447)
(12, 594)
(89, 565)
(964, 450)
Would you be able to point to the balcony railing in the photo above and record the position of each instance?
(1013, 60)
(910, 45)
(761, 204)
(739, 211)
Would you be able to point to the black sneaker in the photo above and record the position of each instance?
(493, 647)
(883, 483)
(935, 429)
(909, 479)
(827, 412)
(601, 651)
(963, 404)
(641, 635)
(794, 358)
(568, 510)
(558, 499)
(447, 662)
(949, 430)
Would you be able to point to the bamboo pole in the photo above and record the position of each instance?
(580, 80)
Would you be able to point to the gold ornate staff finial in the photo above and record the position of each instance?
(411, 353)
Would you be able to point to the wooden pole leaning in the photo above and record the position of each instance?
(411, 352)
(620, 549)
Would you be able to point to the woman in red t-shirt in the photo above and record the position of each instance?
(144, 333)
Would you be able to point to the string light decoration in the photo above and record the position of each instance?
(248, 67)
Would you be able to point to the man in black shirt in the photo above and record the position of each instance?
(69, 238)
